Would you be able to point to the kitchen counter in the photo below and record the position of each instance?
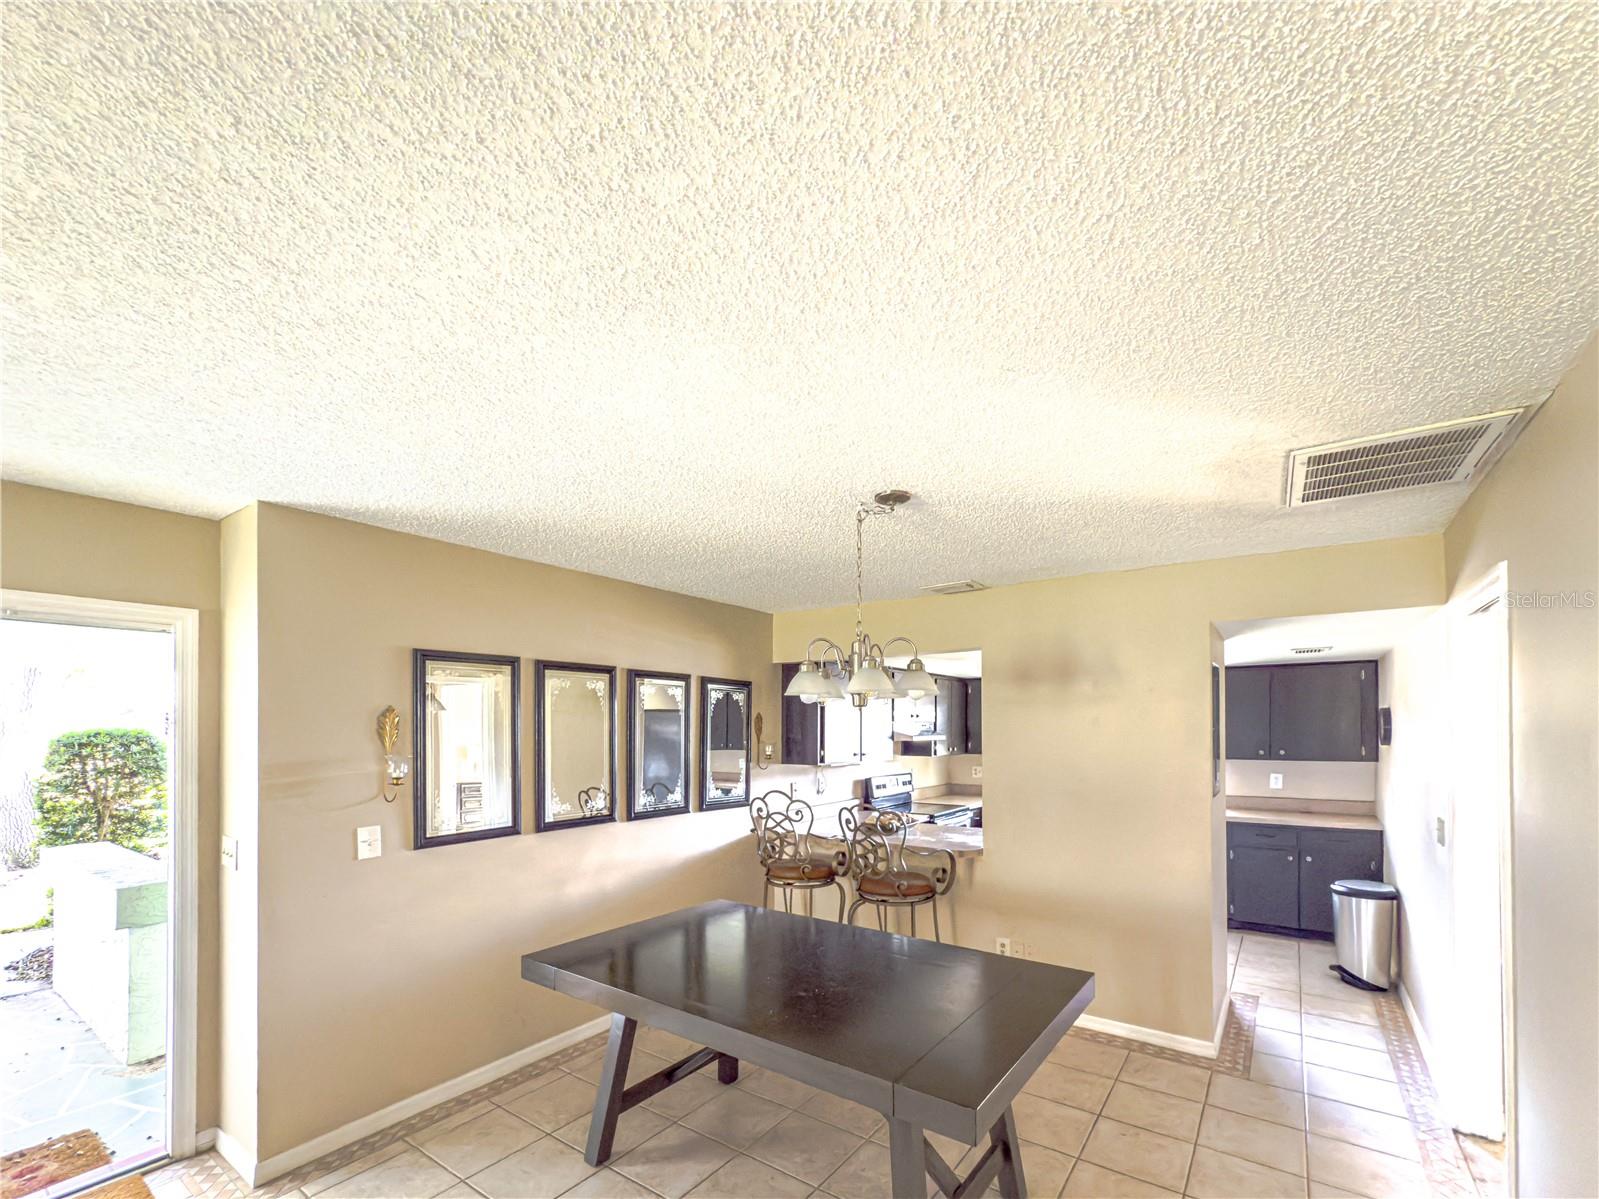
(962, 842)
(1243, 815)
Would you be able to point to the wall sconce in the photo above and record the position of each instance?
(760, 757)
(394, 768)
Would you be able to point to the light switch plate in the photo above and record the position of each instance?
(1438, 831)
(368, 842)
(1276, 782)
(230, 853)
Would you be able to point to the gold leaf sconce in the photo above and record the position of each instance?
(394, 768)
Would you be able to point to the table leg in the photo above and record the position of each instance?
(613, 1081)
(726, 1069)
(1012, 1181)
(907, 1160)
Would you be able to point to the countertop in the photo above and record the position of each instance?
(962, 842)
(1302, 819)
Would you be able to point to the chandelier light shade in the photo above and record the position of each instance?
(858, 673)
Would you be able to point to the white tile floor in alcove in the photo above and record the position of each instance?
(1331, 1102)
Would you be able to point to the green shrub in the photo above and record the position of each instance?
(103, 785)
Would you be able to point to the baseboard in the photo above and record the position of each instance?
(236, 1155)
(1420, 1030)
(205, 1139)
(1154, 1036)
(258, 1172)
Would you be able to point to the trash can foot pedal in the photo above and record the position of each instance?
(1354, 980)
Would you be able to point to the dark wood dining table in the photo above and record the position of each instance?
(935, 1037)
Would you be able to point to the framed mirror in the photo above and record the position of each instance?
(468, 770)
(724, 743)
(657, 744)
(575, 710)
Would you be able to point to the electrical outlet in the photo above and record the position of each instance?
(1002, 946)
(368, 842)
(977, 770)
(230, 853)
(1275, 782)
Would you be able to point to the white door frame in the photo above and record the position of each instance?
(1490, 589)
(183, 894)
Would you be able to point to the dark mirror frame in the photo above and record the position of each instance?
(540, 825)
(635, 737)
(419, 769)
(708, 805)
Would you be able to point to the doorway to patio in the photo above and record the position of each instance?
(97, 947)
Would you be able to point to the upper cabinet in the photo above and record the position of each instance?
(836, 733)
(1322, 712)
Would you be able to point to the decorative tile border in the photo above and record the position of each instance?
(1441, 1158)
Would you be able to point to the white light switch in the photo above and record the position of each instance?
(230, 853)
(368, 842)
(1276, 782)
(1438, 830)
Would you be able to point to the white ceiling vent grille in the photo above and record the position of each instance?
(1449, 452)
(959, 587)
(1311, 649)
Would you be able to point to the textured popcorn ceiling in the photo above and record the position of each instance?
(658, 292)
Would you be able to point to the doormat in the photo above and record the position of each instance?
(59, 1159)
(131, 1187)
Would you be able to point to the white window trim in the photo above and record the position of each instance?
(183, 896)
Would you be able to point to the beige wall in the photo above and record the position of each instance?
(381, 978)
(64, 544)
(1537, 512)
(1102, 836)
(239, 893)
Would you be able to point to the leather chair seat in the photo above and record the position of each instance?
(799, 872)
(896, 884)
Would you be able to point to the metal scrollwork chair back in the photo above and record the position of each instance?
(787, 854)
(594, 801)
(875, 843)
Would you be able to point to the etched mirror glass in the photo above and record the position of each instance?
(577, 744)
(657, 739)
(467, 778)
(724, 743)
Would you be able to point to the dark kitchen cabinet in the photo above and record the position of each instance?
(1248, 712)
(1263, 885)
(1324, 713)
(1325, 856)
(1279, 875)
(950, 719)
(1320, 712)
(974, 716)
(824, 734)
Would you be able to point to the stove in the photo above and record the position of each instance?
(893, 793)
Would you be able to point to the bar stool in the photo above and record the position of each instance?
(783, 845)
(876, 861)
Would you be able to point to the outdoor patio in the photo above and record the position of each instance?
(56, 1077)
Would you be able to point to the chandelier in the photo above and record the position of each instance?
(858, 674)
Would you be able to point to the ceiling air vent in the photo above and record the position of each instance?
(1311, 649)
(1449, 452)
(959, 587)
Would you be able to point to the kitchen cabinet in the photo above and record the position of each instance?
(1248, 712)
(974, 716)
(1263, 886)
(1279, 876)
(1325, 856)
(824, 734)
(877, 731)
(1303, 712)
(950, 719)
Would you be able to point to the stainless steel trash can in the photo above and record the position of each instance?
(1364, 916)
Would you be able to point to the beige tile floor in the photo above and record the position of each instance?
(1321, 1112)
